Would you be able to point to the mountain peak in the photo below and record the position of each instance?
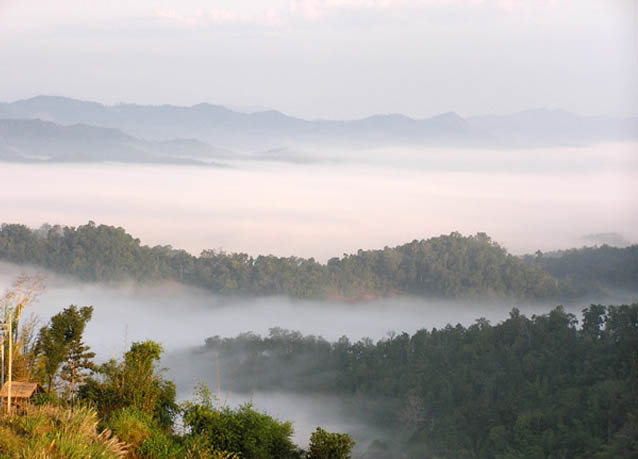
(451, 116)
(42, 99)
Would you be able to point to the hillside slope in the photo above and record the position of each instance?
(448, 266)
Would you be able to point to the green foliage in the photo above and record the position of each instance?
(144, 437)
(244, 431)
(135, 403)
(47, 398)
(197, 447)
(527, 387)
(61, 341)
(450, 266)
(591, 267)
(54, 432)
(326, 445)
(79, 358)
(162, 444)
(134, 382)
(132, 426)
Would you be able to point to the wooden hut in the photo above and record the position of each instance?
(21, 392)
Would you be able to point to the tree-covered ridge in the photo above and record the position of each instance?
(543, 386)
(450, 266)
(593, 266)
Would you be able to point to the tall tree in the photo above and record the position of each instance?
(78, 360)
(57, 339)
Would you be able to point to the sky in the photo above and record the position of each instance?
(338, 59)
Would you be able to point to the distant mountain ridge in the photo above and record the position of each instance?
(36, 140)
(263, 130)
(558, 126)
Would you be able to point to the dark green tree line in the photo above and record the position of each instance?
(544, 386)
(449, 266)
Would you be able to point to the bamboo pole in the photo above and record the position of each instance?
(2, 354)
(10, 364)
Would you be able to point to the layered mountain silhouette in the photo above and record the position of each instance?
(66, 129)
(37, 141)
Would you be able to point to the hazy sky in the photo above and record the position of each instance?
(328, 58)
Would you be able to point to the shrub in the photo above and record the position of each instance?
(326, 445)
(250, 434)
(132, 426)
(145, 438)
(133, 382)
(163, 445)
(55, 432)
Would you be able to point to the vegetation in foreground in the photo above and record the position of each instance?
(451, 266)
(535, 387)
(125, 408)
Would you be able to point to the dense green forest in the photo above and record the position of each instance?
(122, 407)
(539, 387)
(449, 266)
(593, 266)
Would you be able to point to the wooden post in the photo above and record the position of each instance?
(10, 364)
(2, 353)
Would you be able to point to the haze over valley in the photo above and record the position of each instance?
(122, 312)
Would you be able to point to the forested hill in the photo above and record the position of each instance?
(539, 387)
(594, 266)
(450, 266)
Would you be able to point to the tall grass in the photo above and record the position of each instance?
(55, 432)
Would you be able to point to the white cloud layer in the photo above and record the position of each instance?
(221, 16)
(283, 14)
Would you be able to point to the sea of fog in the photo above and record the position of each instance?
(181, 317)
(327, 204)
(339, 202)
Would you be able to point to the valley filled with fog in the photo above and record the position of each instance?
(181, 318)
(525, 199)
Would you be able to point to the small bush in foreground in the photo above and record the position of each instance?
(326, 445)
(250, 434)
(54, 432)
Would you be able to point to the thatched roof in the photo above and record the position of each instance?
(20, 389)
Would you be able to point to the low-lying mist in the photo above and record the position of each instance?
(182, 317)
(525, 200)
